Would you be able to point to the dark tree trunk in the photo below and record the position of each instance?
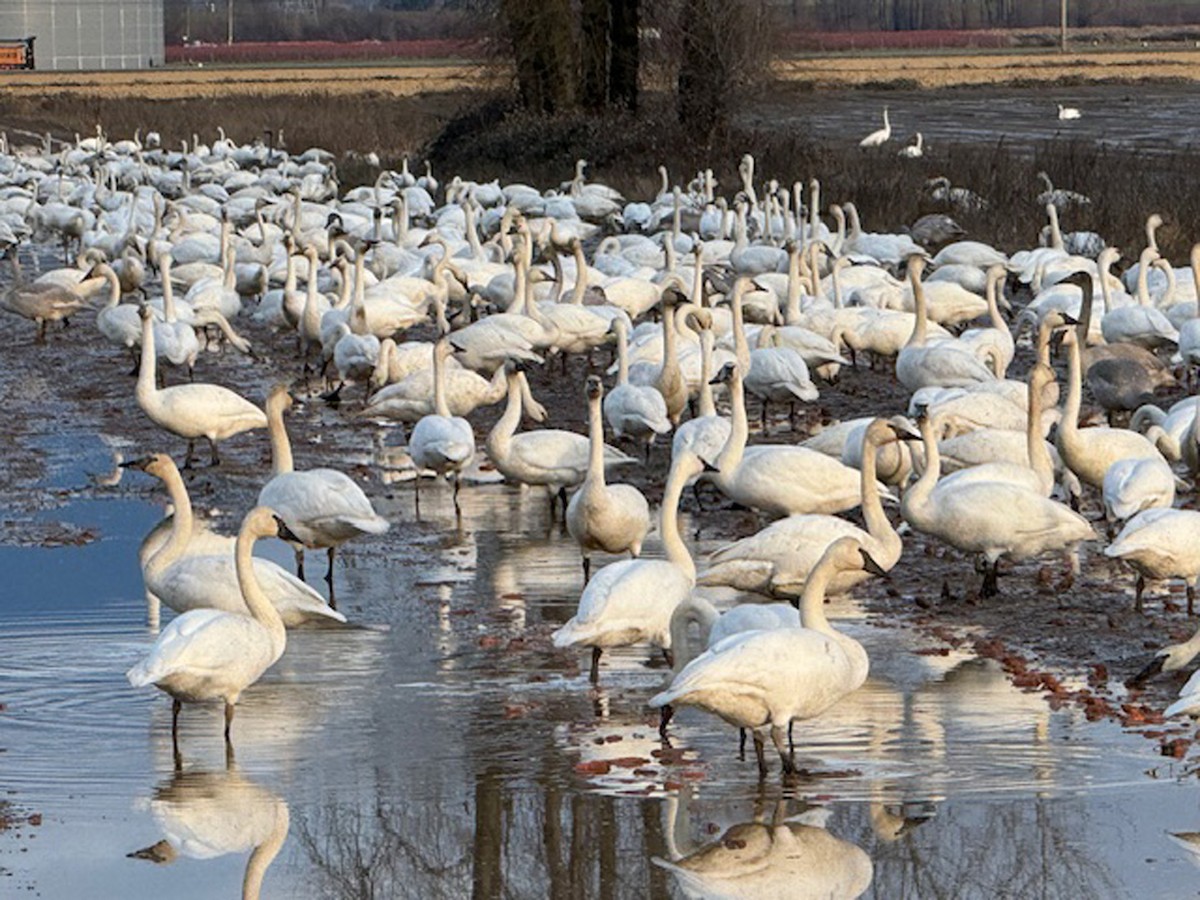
(544, 51)
(594, 43)
(702, 88)
(626, 54)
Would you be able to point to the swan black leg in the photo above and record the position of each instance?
(191, 453)
(587, 569)
(595, 673)
(214, 458)
(329, 578)
(785, 756)
(300, 563)
(176, 706)
(742, 744)
(669, 656)
(228, 719)
(664, 719)
(1137, 594)
(761, 755)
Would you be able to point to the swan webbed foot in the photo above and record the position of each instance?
(594, 675)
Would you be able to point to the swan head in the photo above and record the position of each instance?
(279, 398)
(725, 375)
(161, 853)
(1148, 257)
(156, 464)
(281, 530)
(899, 426)
(595, 387)
(145, 311)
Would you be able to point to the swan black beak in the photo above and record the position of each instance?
(869, 564)
(1154, 667)
(902, 428)
(709, 467)
(140, 463)
(285, 533)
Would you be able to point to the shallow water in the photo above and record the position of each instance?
(440, 749)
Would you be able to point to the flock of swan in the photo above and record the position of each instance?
(916, 149)
(709, 302)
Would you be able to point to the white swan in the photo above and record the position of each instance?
(637, 410)
(1133, 485)
(190, 568)
(1066, 113)
(631, 602)
(944, 364)
(1158, 544)
(553, 457)
(766, 679)
(707, 433)
(879, 137)
(324, 507)
(613, 518)
(440, 441)
(1088, 452)
(914, 150)
(779, 480)
(209, 654)
(992, 518)
(778, 560)
(191, 410)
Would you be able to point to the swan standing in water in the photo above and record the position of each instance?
(189, 568)
(207, 654)
(881, 136)
(608, 517)
(631, 602)
(1161, 543)
(191, 410)
(324, 507)
(440, 441)
(764, 679)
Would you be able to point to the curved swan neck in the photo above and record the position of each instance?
(506, 425)
(676, 549)
(264, 854)
(876, 520)
(256, 601)
(812, 600)
(281, 446)
(919, 491)
(993, 301)
(182, 520)
(693, 610)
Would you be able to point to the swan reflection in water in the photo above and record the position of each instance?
(206, 814)
(793, 857)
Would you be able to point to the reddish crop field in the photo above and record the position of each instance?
(313, 51)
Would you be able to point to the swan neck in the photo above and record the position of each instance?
(876, 520)
(739, 431)
(281, 446)
(506, 425)
(595, 443)
(622, 352)
(264, 854)
(146, 386)
(1039, 456)
(676, 549)
(706, 406)
(741, 347)
(694, 610)
(920, 490)
(440, 405)
(993, 291)
(256, 601)
(1069, 424)
(581, 268)
(917, 339)
(812, 600)
(182, 521)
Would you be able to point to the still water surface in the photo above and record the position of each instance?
(438, 751)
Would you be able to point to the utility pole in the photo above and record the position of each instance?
(1062, 27)
(229, 20)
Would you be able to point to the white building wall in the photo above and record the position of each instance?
(88, 34)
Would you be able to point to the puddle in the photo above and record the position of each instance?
(438, 752)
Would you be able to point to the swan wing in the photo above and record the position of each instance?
(202, 641)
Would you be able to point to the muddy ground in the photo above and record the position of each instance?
(1075, 639)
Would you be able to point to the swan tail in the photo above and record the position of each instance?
(1189, 705)
(570, 634)
(375, 525)
(143, 673)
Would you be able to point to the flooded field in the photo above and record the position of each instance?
(439, 746)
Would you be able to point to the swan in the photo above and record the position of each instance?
(778, 374)
(995, 342)
(914, 150)
(879, 137)
(1132, 485)
(778, 480)
(778, 560)
(51, 304)
(555, 458)
(608, 517)
(1187, 704)
(944, 364)
(191, 410)
(440, 441)
(1140, 323)
(323, 506)
(632, 601)
(1158, 544)
(189, 568)
(209, 654)
(638, 410)
(766, 679)
(1088, 452)
(707, 433)
(993, 518)
(1068, 112)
